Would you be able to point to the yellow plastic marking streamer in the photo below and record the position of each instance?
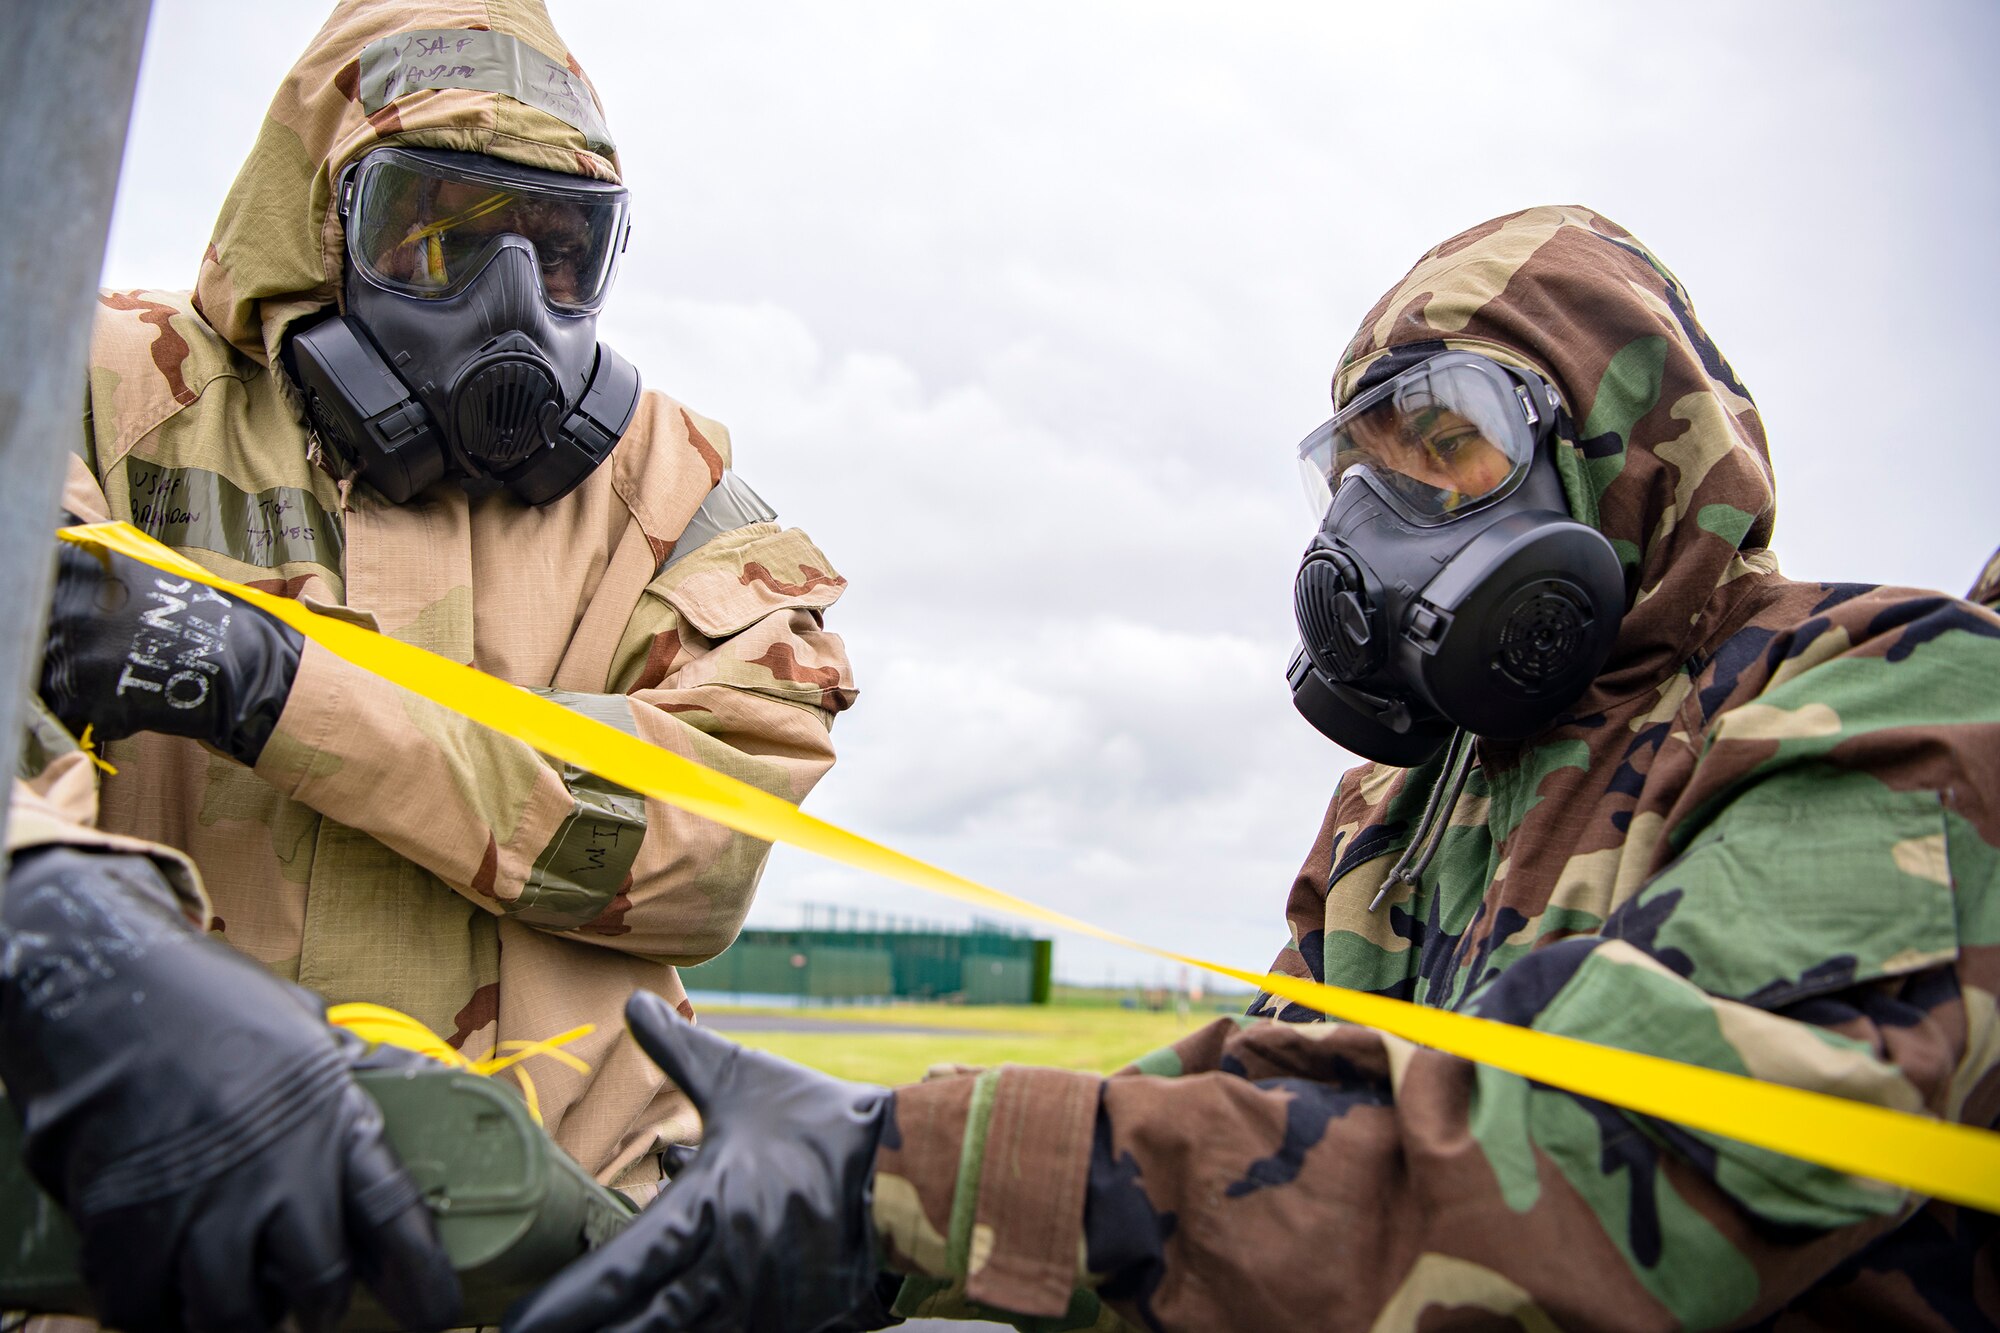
(378, 1024)
(1946, 1161)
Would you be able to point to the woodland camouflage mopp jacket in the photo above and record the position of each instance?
(1767, 840)
(384, 849)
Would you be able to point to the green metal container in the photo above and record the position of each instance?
(975, 967)
(511, 1207)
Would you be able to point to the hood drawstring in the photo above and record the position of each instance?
(1423, 844)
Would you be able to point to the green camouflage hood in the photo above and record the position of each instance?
(1660, 447)
(277, 251)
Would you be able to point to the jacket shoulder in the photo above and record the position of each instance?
(665, 465)
(151, 356)
(1880, 637)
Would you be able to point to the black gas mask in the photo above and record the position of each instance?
(469, 346)
(1448, 585)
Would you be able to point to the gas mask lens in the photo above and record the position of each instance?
(1443, 438)
(423, 224)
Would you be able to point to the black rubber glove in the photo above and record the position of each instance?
(767, 1230)
(133, 649)
(196, 1117)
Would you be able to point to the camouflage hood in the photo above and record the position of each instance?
(277, 251)
(1660, 447)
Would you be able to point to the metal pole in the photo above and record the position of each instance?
(67, 71)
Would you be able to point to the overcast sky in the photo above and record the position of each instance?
(1020, 309)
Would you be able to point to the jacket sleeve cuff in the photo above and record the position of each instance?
(34, 820)
(322, 695)
(980, 1178)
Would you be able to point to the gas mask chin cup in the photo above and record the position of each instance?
(1377, 728)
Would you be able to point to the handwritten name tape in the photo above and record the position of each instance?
(1932, 1157)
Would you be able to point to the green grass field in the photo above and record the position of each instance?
(1099, 1038)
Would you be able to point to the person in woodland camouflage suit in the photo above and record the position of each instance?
(1765, 839)
(351, 837)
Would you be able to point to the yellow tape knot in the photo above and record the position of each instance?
(379, 1025)
(90, 751)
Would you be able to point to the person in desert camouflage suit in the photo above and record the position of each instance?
(1766, 839)
(382, 849)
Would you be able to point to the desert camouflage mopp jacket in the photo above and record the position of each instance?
(384, 849)
(1767, 840)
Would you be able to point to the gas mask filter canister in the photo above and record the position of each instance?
(1448, 587)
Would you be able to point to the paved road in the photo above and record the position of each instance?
(724, 1021)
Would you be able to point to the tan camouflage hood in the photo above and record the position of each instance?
(1661, 449)
(277, 251)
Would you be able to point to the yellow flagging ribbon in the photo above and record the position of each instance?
(90, 750)
(378, 1024)
(1946, 1161)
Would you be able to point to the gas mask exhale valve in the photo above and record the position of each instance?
(469, 347)
(1448, 585)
